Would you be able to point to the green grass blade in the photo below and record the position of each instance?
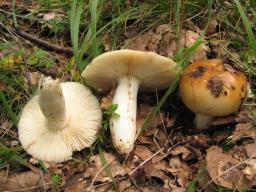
(8, 109)
(94, 19)
(247, 25)
(104, 162)
(75, 17)
(72, 20)
(178, 25)
(14, 13)
(11, 154)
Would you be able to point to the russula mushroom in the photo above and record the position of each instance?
(60, 119)
(129, 69)
(212, 88)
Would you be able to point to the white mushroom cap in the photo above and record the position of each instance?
(54, 141)
(152, 70)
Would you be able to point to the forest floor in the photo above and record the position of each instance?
(170, 154)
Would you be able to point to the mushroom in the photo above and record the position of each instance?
(129, 69)
(212, 88)
(60, 119)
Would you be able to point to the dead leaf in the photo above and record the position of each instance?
(156, 121)
(79, 185)
(250, 171)
(245, 117)
(250, 149)
(124, 184)
(223, 120)
(106, 101)
(115, 167)
(49, 16)
(107, 42)
(180, 170)
(34, 77)
(155, 174)
(3, 86)
(218, 162)
(243, 130)
(211, 29)
(183, 151)
(143, 152)
(27, 180)
(188, 37)
(140, 43)
(204, 179)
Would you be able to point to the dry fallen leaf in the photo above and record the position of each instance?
(211, 29)
(183, 151)
(224, 169)
(49, 16)
(155, 174)
(250, 171)
(180, 170)
(124, 184)
(114, 165)
(140, 43)
(107, 42)
(156, 121)
(28, 181)
(79, 185)
(243, 130)
(143, 152)
(188, 37)
(163, 42)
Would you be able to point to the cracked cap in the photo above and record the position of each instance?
(210, 87)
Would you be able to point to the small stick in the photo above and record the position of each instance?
(42, 43)
(90, 187)
(144, 162)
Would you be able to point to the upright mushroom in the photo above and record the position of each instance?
(60, 119)
(129, 69)
(212, 88)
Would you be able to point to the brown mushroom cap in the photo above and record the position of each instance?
(152, 70)
(209, 87)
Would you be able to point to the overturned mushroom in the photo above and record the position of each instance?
(212, 88)
(128, 70)
(62, 118)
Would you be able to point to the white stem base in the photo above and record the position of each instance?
(202, 121)
(123, 128)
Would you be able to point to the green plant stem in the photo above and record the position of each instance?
(104, 163)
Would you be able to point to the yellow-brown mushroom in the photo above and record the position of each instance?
(212, 88)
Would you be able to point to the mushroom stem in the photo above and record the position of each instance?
(123, 128)
(202, 121)
(52, 103)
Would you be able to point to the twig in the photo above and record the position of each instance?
(99, 173)
(7, 173)
(42, 43)
(42, 177)
(107, 182)
(144, 162)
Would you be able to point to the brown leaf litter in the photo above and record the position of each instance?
(27, 181)
(234, 169)
(163, 41)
